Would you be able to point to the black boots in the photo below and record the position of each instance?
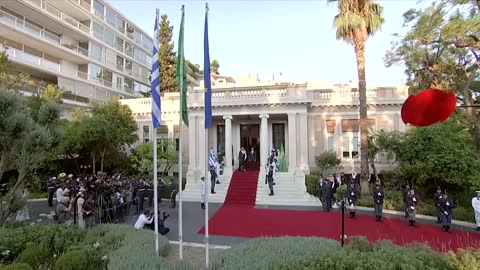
(412, 223)
(352, 214)
(378, 219)
(203, 205)
(271, 194)
(439, 220)
(446, 228)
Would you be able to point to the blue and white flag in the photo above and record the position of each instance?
(155, 80)
(206, 74)
(212, 159)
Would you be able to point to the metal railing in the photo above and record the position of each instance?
(60, 15)
(31, 59)
(33, 30)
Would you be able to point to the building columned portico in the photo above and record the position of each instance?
(303, 120)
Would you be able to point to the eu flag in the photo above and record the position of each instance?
(206, 75)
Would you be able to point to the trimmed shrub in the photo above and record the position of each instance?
(465, 214)
(36, 256)
(271, 253)
(361, 254)
(136, 251)
(56, 238)
(76, 259)
(16, 266)
(464, 259)
(311, 182)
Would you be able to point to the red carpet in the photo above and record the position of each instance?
(238, 217)
(242, 190)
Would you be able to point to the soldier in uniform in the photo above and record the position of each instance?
(352, 199)
(436, 202)
(328, 194)
(446, 206)
(213, 175)
(51, 185)
(270, 180)
(405, 193)
(173, 193)
(141, 194)
(203, 193)
(412, 202)
(134, 186)
(378, 195)
(321, 189)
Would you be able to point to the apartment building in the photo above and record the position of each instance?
(85, 46)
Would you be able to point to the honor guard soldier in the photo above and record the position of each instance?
(141, 194)
(51, 185)
(446, 206)
(436, 202)
(378, 195)
(134, 186)
(159, 189)
(412, 202)
(352, 199)
(173, 193)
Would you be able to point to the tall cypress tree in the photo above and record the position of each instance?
(166, 57)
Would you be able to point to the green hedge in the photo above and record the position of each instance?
(16, 266)
(271, 253)
(361, 254)
(36, 256)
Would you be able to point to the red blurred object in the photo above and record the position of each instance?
(428, 107)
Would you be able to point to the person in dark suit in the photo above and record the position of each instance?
(213, 178)
(270, 180)
(51, 186)
(252, 159)
(436, 202)
(321, 189)
(173, 193)
(328, 194)
(378, 196)
(352, 199)
(446, 206)
(405, 193)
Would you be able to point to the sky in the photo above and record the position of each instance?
(294, 38)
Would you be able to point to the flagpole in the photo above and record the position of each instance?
(206, 200)
(180, 149)
(155, 181)
(208, 113)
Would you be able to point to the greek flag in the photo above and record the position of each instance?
(155, 79)
(212, 159)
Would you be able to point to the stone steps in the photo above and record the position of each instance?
(287, 192)
(191, 193)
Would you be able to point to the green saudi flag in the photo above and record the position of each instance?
(182, 72)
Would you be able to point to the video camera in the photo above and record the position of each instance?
(164, 217)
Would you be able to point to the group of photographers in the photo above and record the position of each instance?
(101, 198)
(327, 188)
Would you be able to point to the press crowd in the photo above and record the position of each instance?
(100, 198)
(443, 204)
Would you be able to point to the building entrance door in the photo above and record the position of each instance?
(250, 138)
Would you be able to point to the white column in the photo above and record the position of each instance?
(303, 143)
(292, 142)
(264, 147)
(192, 149)
(228, 145)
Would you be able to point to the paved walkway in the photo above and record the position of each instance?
(194, 220)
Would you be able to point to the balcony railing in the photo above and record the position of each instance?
(60, 15)
(33, 60)
(33, 30)
(94, 79)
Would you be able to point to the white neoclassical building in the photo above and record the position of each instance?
(305, 119)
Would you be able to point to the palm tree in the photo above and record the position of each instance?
(355, 22)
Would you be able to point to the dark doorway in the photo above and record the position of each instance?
(250, 137)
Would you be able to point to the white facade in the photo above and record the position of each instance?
(307, 119)
(85, 46)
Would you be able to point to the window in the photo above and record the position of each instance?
(128, 49)
(221, 139)
(120, 24)
(99, 8)
(146, 133)
(95, 72)
(350, 145)
(111, 17)
(176, 136)
(147, 43)
(278, 135)
(119, 84)
(128, 66)
(108, 37)
(96, 51)
(128, 85)
(331, 135)
(137, 36)
(97, 30)
(119, 63)
(162, 137)
(107, 76)
(119, 44)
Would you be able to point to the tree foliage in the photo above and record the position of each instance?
(166, 54)
(327, 161)
(108, 128)
(441, 154)
(52, 92)
(167, 154)
(355, 22)
(9, 78)
(441, 49)
(214, 66)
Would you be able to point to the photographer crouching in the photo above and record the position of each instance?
(147, 220)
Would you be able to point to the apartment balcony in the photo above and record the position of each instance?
(24, 58)
(27, 33)
(52, 18)
(103, 83)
